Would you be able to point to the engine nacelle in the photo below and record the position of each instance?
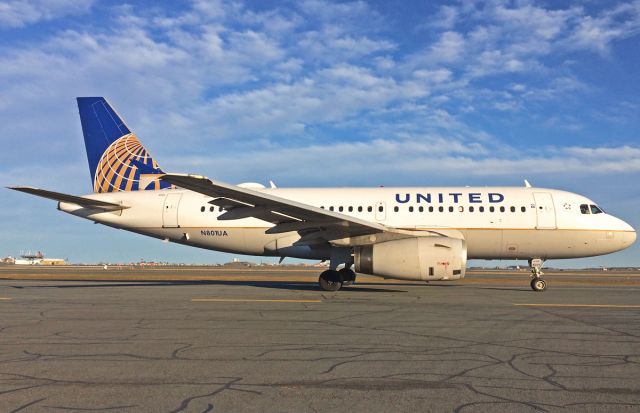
(420, 258)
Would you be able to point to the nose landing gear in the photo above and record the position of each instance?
(538, 284)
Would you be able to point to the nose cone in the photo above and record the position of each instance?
(629, 238)
(628, 234)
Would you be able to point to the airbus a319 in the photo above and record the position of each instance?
(405, 233)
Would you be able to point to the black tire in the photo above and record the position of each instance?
(348, 276)
(330, 280)
(538, 285)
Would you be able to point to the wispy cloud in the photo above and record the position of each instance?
(19, 13)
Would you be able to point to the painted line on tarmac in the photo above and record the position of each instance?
(250, 300)
(5, 299)
(579, 305)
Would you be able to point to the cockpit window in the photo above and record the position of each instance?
(596, 209)
(584, 209)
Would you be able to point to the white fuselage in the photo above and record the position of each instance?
(496, 222)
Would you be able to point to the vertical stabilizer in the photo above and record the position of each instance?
(117, 159)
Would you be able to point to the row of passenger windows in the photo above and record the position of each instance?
(211, 209)
(590, 209)
(414, 209)
(429, 208)
(584, 209)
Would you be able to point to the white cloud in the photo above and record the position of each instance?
(597, 32)
(19, 13)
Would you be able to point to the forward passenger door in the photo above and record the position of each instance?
(545, 211)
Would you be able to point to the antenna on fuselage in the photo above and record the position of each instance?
(527, 184)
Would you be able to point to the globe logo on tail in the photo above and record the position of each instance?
(127, 166)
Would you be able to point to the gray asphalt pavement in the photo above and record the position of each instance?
(229, 345)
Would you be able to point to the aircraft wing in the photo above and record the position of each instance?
(287, 215)
(78, 200)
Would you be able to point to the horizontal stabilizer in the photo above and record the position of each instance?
(78, 200)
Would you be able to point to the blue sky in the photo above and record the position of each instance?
(315, 93)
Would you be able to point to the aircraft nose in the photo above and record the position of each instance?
(629, 235)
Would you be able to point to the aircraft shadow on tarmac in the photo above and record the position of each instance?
(282, 285)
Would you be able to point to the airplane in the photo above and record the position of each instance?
(405, 233)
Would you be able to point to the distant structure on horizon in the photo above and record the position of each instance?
(29, 258)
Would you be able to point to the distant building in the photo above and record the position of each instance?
(37, 259)
(29, 258)
(8, 260)
(52, 261)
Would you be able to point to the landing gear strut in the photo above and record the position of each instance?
(538, 284)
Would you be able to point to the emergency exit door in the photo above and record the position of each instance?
(545, 211)
(170, 211)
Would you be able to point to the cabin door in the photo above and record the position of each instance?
(545, 211)
(170, 211)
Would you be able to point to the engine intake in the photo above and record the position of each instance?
(420, 258)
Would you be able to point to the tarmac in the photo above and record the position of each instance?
(203, 339)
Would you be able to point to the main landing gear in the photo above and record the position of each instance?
(332, 280)
(538, 284)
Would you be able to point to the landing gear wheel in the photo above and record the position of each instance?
(330, 280)
(538, 284)
(348, 276)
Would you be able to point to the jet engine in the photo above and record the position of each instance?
(419, 258)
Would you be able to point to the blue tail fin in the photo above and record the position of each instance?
(117, 159)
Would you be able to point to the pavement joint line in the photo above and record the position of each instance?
(249, 300)
(579, 305)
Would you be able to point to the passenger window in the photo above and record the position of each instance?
(330, 208)
(421, 209)
(410, 209)
(370, 209)
(584, 209)
(396, 209)
(450, 209)
(380, 208)
(513, 209)
(340, 209)
(470, 209)
(350, 209)
(595, 209)
(501, 209)
(440, 208)
(461, 208)
(211, 209)
(321, 207)
(481, 209)
(202, 209)
(491, 209)
(523, 209)
(430, 209)
(359, 209)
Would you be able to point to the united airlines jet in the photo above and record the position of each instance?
(400, 233)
